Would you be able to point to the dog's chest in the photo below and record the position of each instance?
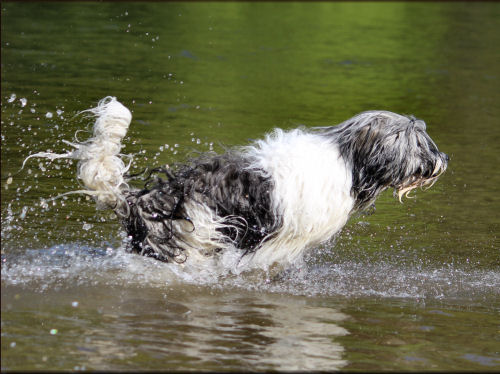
(312, 184)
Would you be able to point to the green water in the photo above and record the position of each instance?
(411, 287)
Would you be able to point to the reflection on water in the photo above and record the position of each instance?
(266, 331)
(184, 327)
(411, 287)
(111, 310)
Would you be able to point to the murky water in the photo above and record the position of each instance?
(411, 287)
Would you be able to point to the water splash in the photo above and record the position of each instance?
(72, 264)
(110, 265)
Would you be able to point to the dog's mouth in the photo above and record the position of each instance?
(415, 181)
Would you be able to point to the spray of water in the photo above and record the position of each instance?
(100, 165)
(109, 265)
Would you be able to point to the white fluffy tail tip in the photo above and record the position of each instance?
(100, 166)
(113, 118)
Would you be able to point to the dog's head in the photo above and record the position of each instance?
(385, 150)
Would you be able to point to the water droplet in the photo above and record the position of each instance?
(23, 101)
(12, 98)
(23, 212)
(74, 304)
(48, 115)
(53, 331)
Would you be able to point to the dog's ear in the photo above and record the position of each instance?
(367, 137)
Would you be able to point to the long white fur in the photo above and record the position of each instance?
(100, 166)
(311, 194)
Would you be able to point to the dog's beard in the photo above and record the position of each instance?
(412, 182)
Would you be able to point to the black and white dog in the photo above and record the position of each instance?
(268, 201)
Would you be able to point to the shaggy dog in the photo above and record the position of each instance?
(269, 200)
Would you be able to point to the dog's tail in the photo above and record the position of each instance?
(100, 164)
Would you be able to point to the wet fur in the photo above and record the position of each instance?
(223, 184)
(278, 196)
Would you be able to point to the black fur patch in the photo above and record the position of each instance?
(221, 182)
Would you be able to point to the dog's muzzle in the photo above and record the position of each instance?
(415, 181)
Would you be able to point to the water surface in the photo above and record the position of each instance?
(414, 286)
